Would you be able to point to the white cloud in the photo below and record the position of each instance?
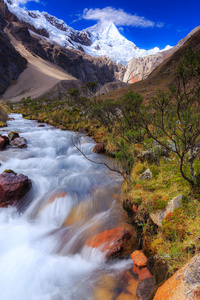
(22, 2)
(117, 16)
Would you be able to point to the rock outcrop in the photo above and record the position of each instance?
(158, 216)
(13, 187)
(184, 284)
(139, 68)
(146, 175)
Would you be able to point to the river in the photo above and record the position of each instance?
(42, 240)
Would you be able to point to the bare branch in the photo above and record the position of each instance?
(96, 162)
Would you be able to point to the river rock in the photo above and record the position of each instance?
(13, 135)
(146, 175)
(139, 259)
(13, 187)
(145, 288)
(184, 284)
(143, 273)
(2, 143)
(158, 216)
(20, 142)
(111, 242)
(129, 291)
(99, 148)
(6, 139)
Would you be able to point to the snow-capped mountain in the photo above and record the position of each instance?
(98, 40)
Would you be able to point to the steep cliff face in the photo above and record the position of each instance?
(11, 62)
(141, 67)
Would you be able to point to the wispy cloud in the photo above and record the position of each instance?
(117, 16)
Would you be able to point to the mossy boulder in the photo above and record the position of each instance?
(13, 135)
(10, 171)
(3, 124)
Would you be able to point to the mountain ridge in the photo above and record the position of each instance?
(94, 41)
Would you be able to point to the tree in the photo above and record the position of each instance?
(173, 118)
(119, 117)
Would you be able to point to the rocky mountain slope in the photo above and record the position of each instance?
(162, 75)
(38, 50)
(11, 62)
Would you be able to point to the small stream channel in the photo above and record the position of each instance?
(42, 241)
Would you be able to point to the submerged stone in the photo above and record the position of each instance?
(110, 241)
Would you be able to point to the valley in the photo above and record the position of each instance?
(106, 138)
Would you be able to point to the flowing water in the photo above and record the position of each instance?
(42, 240)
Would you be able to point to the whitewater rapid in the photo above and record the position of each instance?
(42, 240)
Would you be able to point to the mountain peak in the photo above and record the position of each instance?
(111, 31)
(102, 39)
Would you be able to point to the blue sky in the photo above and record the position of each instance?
(146, 23)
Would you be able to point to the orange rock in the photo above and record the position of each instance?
(143, 273)
(139, 259)
(110, 241)
(99, 148)
(183, 285)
